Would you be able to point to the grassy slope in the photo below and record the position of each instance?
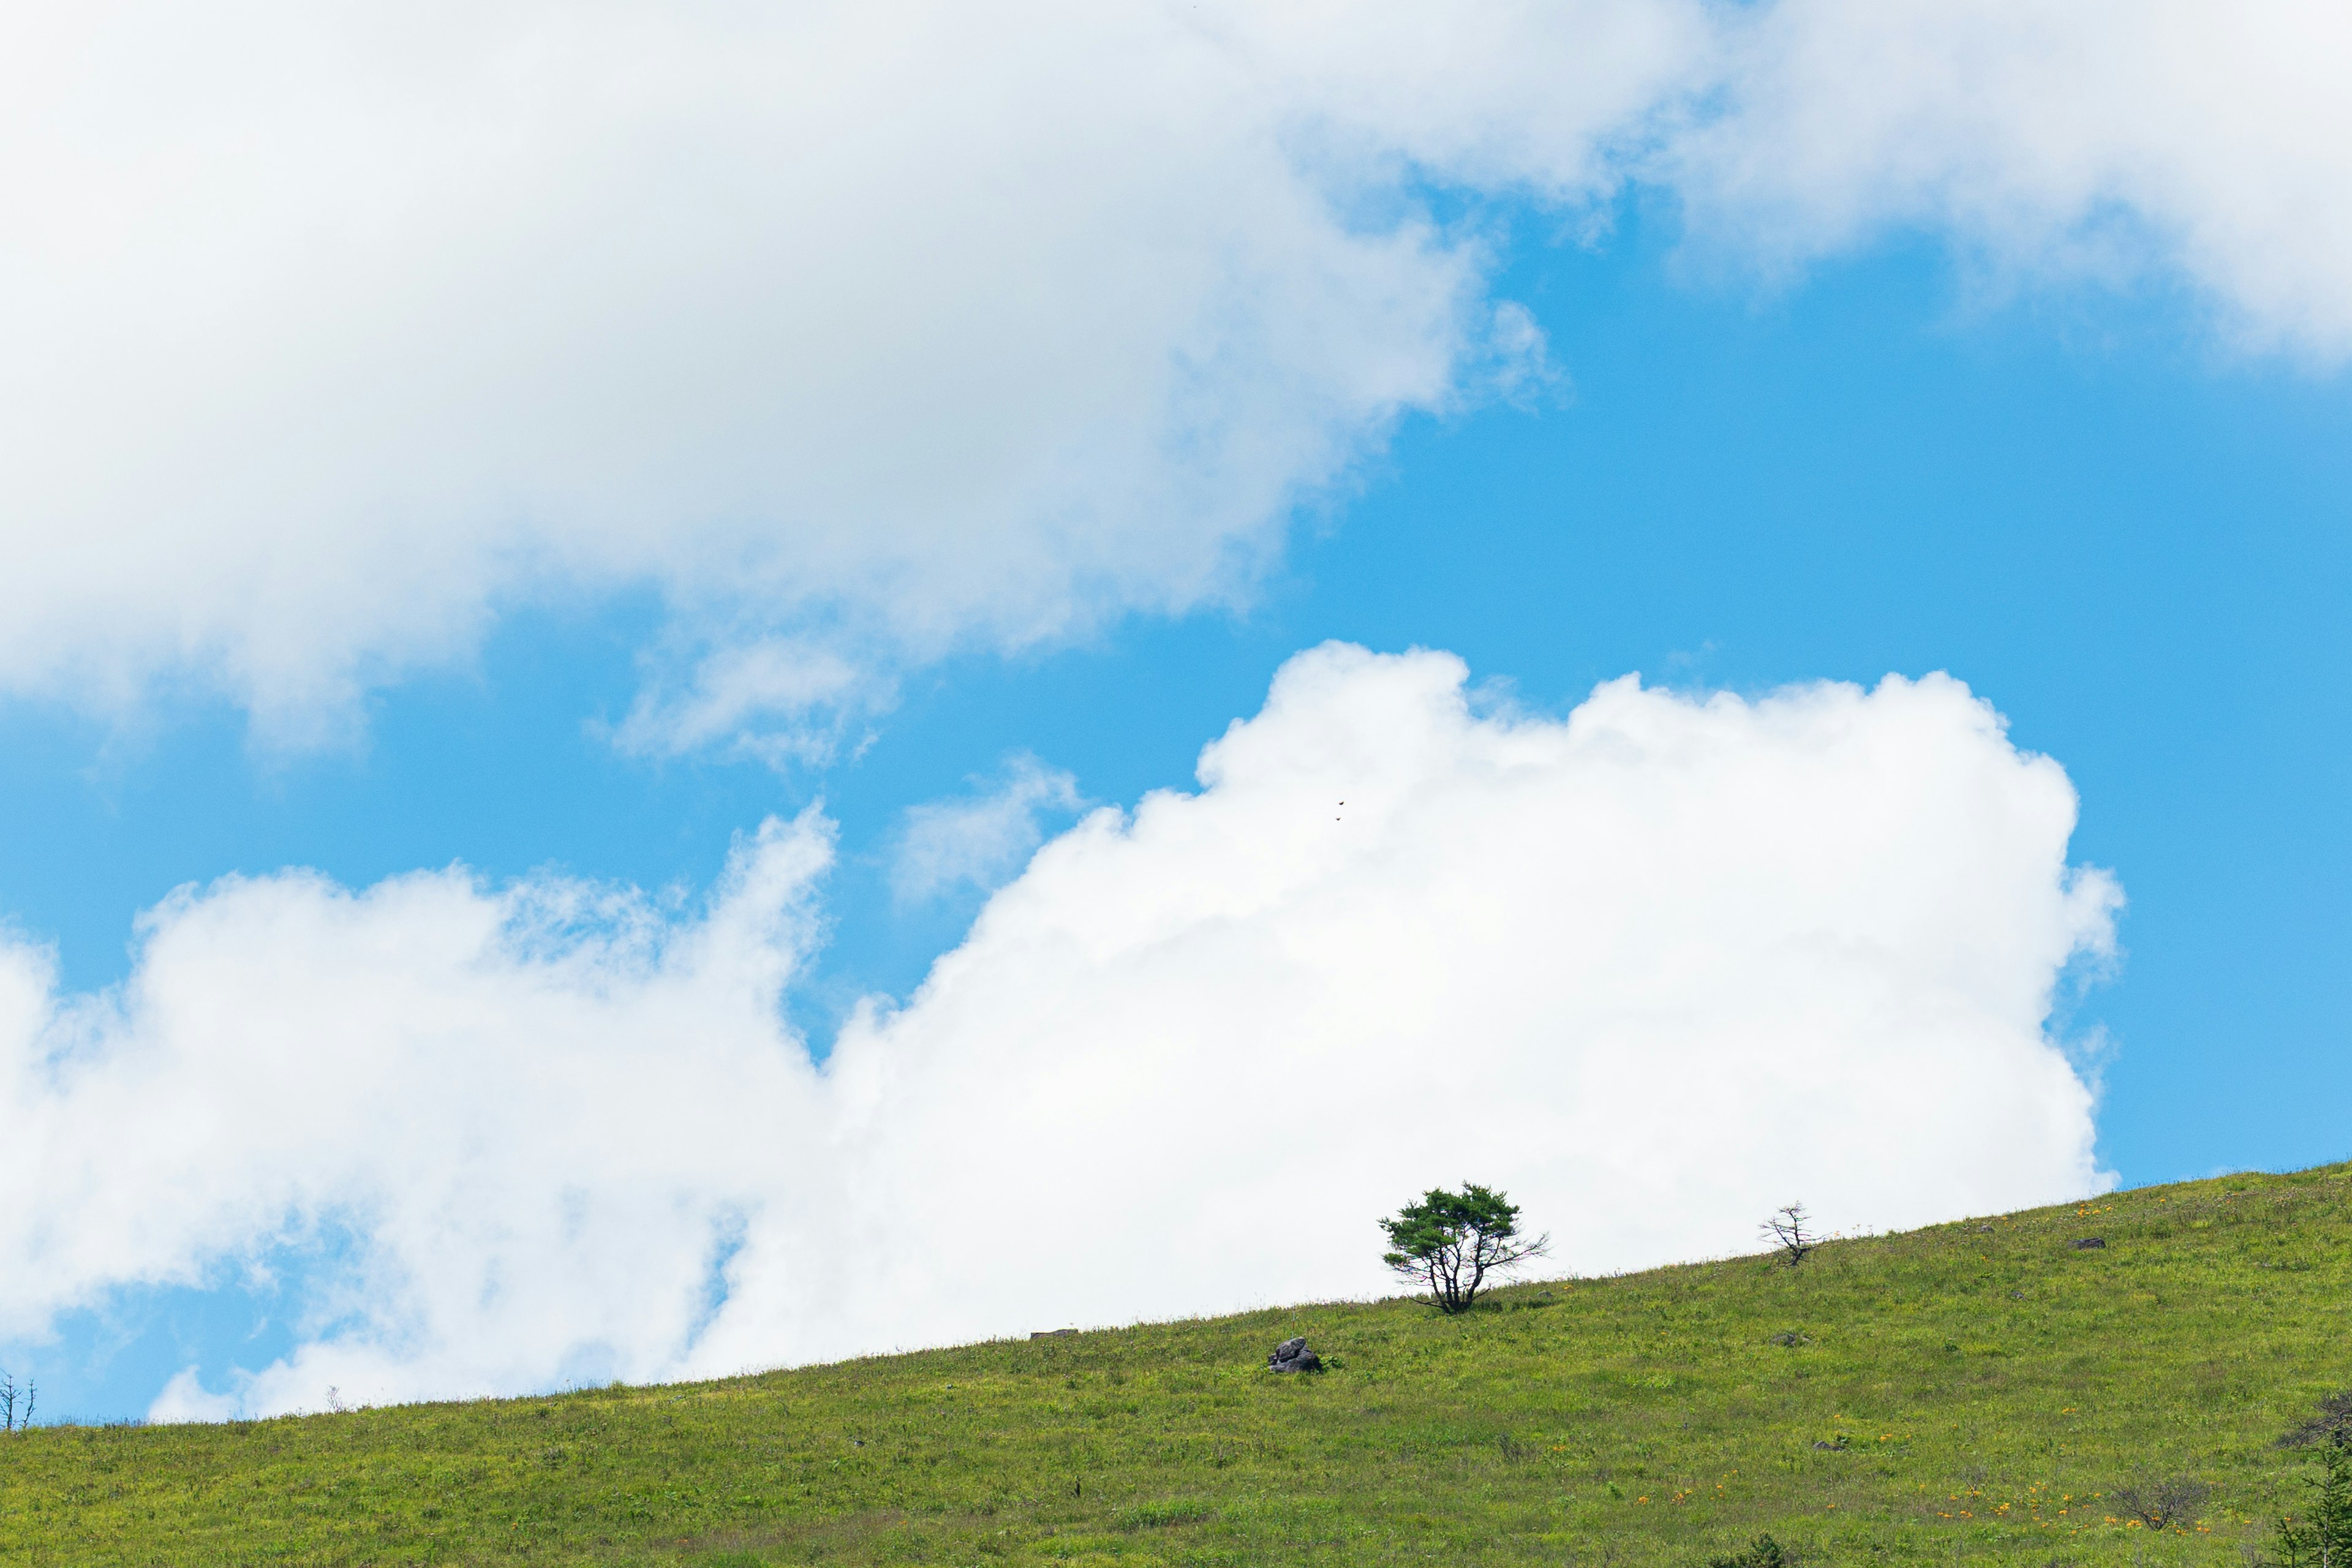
(1994, 1384)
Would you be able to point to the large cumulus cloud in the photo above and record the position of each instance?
(1654, 968)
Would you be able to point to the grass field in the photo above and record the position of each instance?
(1991, 1385)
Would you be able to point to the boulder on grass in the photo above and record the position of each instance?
(1292, 1355)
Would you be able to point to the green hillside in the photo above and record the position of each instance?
(1992, 1387)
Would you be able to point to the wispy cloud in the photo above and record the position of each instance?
(978, 839)
(786, 701)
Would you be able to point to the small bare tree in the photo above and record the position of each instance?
(2332, 1425)
(13, 1419)
(2169, 1503)
(1790, 1229)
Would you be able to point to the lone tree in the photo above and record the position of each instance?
(1450, 1242)
(1791, 1230)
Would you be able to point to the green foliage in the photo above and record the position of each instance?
(1161, 1515)
(2320, 1534)
(1647, 1421)
(1761, 1552)
(1449, 1243)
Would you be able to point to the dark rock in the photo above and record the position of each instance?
(1054, 1334)
(1791, 1338)
(2089, 1244)
(1292, 1355)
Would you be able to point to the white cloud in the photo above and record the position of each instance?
(885, 328)
(785, 702)
(905, 325)
(2164, 141)
(1654, 968)
(977, 840)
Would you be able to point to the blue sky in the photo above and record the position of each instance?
(2090, 493)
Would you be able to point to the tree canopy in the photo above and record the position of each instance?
(1450, 1242)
